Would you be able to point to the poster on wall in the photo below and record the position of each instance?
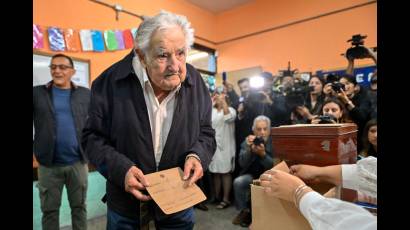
(363, 74)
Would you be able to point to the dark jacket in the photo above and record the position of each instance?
(253, 164)
(360, 114)
(44, 120)
(118, 133)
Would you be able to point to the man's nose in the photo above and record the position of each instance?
(173, 63)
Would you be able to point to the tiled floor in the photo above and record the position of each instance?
(205, 220)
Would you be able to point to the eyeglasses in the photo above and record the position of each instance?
(62, 67)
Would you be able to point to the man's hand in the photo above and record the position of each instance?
(258, 150)
(135, 181)
(249, 139)
(192, 170)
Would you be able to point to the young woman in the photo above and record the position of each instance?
(370, 139)
(223, 161)
(313, 102)
(334, 107)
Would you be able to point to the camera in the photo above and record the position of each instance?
(337, 86)
(258, 141)
(358, 51)
(327, 119)
(295, 96)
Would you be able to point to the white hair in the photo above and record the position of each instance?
(162, 21)
(261, 118)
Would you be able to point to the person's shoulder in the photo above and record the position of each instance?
(39, 88)
(83, 89)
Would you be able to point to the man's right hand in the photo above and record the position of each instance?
(135, 181)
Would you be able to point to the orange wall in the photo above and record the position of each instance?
(84, 14)
(310, 46)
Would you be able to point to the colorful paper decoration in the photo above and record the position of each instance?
(37, 37)
(134, 32)
(98, 42)
(86, 41)
(120, 39)
(110, 40)
(71, 40)
(56, 39)
(128, 40)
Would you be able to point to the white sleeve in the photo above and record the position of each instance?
(361, 176)
(333, 214)
(230, 117)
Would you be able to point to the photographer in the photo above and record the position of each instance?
(357, 104)
(327, 88)
(223, 161)
(333, 112)
(313, 102)
(256, 156)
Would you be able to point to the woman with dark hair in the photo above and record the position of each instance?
(313, 101)
(335, 108)
(369, 139)
(357, 103)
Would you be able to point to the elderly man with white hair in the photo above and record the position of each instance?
(150, 111)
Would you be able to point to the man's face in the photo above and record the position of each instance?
(262, 130)
(61, 72)
(287, 81)
(166, 61)
(244, 88)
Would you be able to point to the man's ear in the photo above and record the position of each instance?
(141, 56)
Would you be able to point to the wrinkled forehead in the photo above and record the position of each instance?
(168, 38)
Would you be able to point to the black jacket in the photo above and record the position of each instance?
(44, 120)
(118, 134)
(253, 164)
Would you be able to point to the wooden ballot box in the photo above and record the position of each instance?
(319, 145)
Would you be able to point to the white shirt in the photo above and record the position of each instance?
(223, 160)
(328, 213)
(160, 114)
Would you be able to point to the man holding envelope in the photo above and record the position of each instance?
(150, 112)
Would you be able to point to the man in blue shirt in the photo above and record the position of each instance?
(59, 114)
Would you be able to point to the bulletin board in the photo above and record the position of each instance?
(41, 71)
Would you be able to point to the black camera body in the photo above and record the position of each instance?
(358, 51)
(258, 141)
(327, 119)
(337, 86)
(295, 96)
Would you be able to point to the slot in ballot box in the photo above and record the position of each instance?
(319, 145)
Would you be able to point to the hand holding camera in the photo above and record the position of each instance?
(258, 146)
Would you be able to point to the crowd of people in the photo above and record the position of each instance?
(151, 111)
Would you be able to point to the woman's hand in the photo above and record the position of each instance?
(280, 184)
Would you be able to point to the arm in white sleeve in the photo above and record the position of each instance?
(332, 214)
(361, 176)
(230, 117)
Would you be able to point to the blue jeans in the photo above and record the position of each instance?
(183, 220)
(242, 189)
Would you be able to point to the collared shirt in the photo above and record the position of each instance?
(160, 114)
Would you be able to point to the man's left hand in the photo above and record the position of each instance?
(192, 170)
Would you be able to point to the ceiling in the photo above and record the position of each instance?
(217, 6)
